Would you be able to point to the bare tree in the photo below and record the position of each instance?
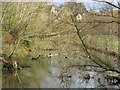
(16, 17)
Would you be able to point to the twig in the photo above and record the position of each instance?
(108, 3)
(18, 78)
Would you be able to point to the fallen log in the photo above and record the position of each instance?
(13, 65)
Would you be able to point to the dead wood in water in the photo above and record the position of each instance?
(12, 65)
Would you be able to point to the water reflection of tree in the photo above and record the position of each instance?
(66, 77)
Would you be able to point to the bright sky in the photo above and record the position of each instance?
(89, 4)
(61, 2)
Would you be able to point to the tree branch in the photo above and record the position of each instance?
(96, 60)
(108, 3)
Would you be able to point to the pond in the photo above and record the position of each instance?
(59, 72)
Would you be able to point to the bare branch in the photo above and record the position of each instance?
(108, 3)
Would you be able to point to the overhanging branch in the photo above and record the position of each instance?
(108, 3)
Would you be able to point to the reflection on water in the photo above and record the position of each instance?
(48, 73)
(76, 80)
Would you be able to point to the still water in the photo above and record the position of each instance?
(54, 73)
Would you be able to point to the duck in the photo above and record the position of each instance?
(49, 56)
(66, 57)
(35, 58)
(87, 76)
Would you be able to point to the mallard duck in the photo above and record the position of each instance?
(34, 58)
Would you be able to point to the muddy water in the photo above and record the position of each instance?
(51, 73)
